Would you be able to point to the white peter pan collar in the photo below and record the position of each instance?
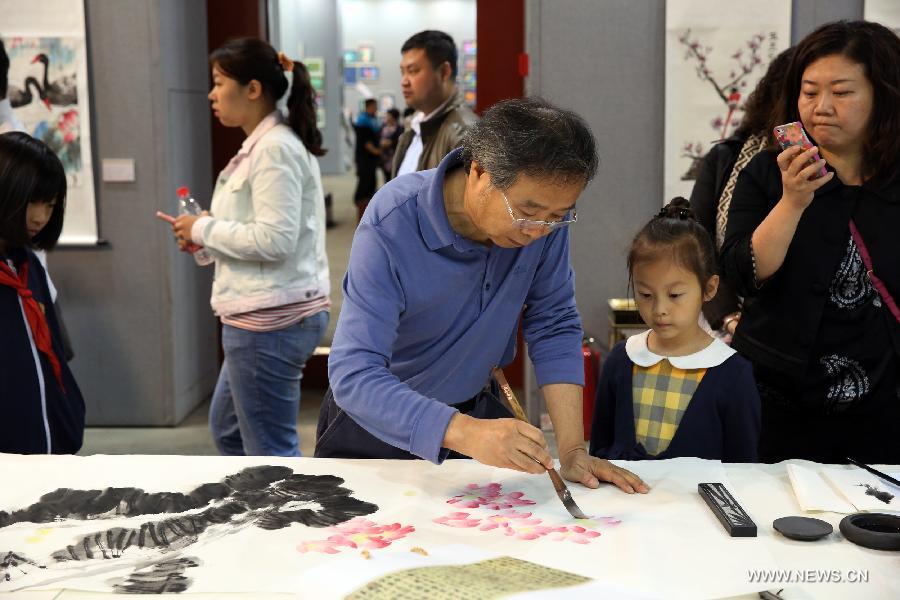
(711, 356)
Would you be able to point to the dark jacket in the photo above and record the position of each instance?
(721, 422)
(23, 429)
(364, 158)
(778, 329)
(714, 172)
(440, 134)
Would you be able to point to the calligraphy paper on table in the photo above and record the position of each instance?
(814, 493)
(864, 490)
(259, 525)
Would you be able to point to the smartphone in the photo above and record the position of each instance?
(792, 134)
(170, 219)
(167, 218)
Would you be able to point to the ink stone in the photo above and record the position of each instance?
(804, 529)
(879, 531)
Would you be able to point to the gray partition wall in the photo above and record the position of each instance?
(137, 309)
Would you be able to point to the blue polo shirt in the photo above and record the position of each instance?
(428, 313)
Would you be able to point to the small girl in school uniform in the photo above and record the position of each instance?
(42, 409)
(674, 390)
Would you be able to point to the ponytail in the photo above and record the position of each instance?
(301, 104)
(246, 59)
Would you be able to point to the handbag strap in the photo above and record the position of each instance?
(867, 261)
(753, 146)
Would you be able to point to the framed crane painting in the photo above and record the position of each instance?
(48, 92)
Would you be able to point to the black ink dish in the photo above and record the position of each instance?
(803, 529)
(878, 531)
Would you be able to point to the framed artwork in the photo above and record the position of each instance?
(886, 12)
(715, 55)
(368, 73)
(350, 76)
(366, 53)
(315, 65)
(50, 97)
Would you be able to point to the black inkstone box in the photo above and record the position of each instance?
(731, 515)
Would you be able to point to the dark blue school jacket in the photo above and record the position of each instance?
(29, 422)
(721, 422)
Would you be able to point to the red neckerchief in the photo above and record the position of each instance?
(35, 315)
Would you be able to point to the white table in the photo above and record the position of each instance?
(668, 544)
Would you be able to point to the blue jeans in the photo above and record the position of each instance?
(257, 398)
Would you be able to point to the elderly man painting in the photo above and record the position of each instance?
(441, 267)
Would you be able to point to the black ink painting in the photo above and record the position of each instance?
(164, 577)
(266, 497)
(878, 494)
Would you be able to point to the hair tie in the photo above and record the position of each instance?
(286, 63)
(680, 213)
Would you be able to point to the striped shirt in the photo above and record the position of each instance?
(278, 317)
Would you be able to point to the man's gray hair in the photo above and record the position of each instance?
(530, 136)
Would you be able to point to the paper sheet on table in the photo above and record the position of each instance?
(864, 490)
(813, 492)
(413, 509)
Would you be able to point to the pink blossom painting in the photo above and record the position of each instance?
(489, 496)
(731, 90)
(358, 533)
(458, 519)
(512, 523)
(716, 53)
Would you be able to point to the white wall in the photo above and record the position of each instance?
(386, 24)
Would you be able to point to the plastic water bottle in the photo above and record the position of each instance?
(188, 206)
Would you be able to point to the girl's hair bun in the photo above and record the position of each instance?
(677, 208)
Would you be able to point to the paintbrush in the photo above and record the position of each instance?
(875, 472)
(558, 484)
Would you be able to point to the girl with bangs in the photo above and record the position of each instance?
(42, 407)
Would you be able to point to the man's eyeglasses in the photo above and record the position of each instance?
(531, 225)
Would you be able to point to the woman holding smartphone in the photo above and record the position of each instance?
(822, 336)
(266, 231)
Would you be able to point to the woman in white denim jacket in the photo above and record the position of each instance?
(266, 231)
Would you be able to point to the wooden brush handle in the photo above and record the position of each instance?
(510, 397)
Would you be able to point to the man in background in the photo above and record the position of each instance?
(428, 80)
(368, 155)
